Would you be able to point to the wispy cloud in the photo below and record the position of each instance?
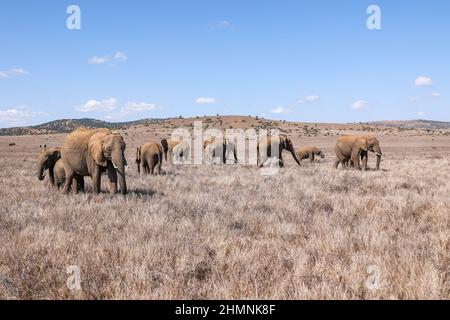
(206, 100)
(221, 25)
(98, 106)
(132, 108)
(359, 104)
(423, 81)
(17, 116)
(119, 56)
(421, 113)
(312, 98)
(15, 72)
(436, 94)
(279, 110)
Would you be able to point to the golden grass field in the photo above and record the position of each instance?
(226, 232)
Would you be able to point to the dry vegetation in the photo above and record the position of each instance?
(228, 232)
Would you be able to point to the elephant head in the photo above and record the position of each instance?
(46, 161)
(286, 144)
(165, 146)
(138, 159)
(374, 146)
(318, 152)
(107, 149)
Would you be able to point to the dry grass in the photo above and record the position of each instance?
(228, 232)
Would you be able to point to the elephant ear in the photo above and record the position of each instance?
(363, 144)
(56, 155)
(95, 149)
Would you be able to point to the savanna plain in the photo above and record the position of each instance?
(227, 232)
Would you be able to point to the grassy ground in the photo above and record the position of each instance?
(228, 232)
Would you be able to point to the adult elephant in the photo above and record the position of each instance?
(352, 148)
(309, 153)
(168, 146)
(87, 152)
(272, 147)
(218, 152)
(150, 156)
(181, 153)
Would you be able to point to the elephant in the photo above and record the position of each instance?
(60, 177)
(47, 159)
(89, 152)
(181, 152)
(352, 148)
(168, 146)
(280, 142)
(50, 159)
(217, 152)
(150, 156)
(309, 153)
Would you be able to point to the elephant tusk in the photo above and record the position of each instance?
(378, 154)
(115, 167)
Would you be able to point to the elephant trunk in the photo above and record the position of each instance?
(378, 161)
(294, 154)
(40, 171)
(119, 165)
(378, 152)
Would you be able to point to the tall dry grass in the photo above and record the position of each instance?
(229, 233)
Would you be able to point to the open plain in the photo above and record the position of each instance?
(226, 232)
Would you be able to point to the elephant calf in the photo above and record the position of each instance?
(150, 156)
(50, 159)
(309, 153)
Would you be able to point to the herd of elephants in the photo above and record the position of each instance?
(91, 152)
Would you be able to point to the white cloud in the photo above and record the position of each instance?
(359, 104)
(279, 110)
(423, 81)
(17, 116)
(222, 24)
(312, 98)
(421, 113)
(15, 72)
(140, 107)
(436, 94)
(119, 56)
(98, 106)
(206, 100)
(132, 108)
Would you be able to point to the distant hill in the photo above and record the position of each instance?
(414, 124)
(67, 125)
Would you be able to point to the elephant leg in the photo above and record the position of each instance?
(152, 167)
(75, 185)
(80, 183)
(356, 164)
(311, 156)
(337, 162)
(96, 179)
(69, 177)
(159, 166)
(112, 176)
(364, 158)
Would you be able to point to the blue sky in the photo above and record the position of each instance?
(312, 61)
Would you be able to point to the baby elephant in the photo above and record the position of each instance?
(309, 152)
(150, 156)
